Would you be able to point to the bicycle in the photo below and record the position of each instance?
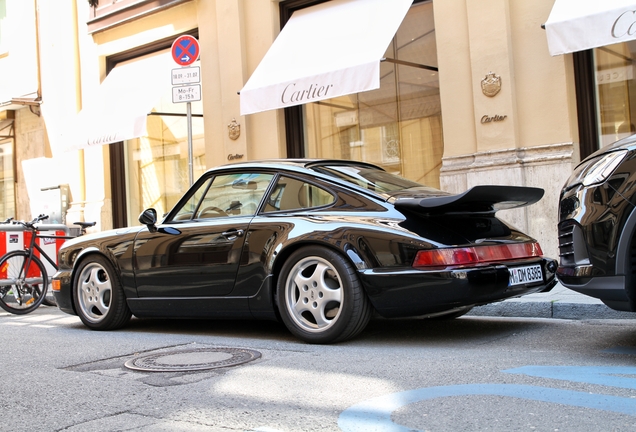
(24, 280)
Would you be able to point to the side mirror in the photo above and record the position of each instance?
(149, 218)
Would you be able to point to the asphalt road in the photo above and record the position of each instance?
(474, 373)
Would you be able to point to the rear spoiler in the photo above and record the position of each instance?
(479, 199)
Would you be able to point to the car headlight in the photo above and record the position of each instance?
(597, 170)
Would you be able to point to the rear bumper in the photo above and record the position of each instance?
(412, 292)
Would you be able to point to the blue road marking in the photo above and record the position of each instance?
(613, 376)
(374, 415)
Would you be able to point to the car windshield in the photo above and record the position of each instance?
(369, 178)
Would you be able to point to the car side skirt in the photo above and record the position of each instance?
(190, 307)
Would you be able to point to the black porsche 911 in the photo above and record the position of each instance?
(320, 244)
(597, 226)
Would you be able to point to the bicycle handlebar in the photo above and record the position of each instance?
(31, 224)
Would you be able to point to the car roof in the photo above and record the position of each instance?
(297, 162)
(300, 165)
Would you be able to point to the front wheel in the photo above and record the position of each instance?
(98, 295)
(320, 297)
(23, 282)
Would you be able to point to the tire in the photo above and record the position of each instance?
(21, 292)
(320, 297)
(98, 295)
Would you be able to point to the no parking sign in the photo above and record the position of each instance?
(185, 50)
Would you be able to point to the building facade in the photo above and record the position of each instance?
(469, 94)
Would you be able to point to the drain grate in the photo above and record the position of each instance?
(192, 359)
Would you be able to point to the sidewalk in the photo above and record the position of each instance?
(558, 303)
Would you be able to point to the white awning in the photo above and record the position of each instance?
(576, 25)
(324, 51)
(118, 109)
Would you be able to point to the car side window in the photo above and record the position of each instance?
(187, 211)
(293, 194)
(226, 195)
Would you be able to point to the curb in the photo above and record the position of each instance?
(550, 309)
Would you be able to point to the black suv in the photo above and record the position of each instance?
(597, 226)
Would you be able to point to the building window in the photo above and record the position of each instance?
(157, 165)
(615, 85)
(399, 125)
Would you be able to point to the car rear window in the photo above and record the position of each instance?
(369, 178)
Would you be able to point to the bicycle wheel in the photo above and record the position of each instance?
(22, 290)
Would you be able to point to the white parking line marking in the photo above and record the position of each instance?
(40, 318)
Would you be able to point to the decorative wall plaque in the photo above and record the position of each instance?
(234, 129)
(491, 85)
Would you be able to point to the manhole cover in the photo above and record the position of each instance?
(192, 359)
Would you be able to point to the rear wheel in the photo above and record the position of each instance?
(320, 297)
(98, 295)
(22, 290)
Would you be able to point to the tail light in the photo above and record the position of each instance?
(454, 257)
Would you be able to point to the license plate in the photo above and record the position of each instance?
(526, 275)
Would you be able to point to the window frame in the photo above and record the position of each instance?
(585, 82)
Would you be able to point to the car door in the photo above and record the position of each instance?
(196, 251)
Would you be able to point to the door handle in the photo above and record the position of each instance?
(232, 234)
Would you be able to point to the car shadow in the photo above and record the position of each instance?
(473, 330)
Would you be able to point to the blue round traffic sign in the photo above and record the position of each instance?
(185, 50)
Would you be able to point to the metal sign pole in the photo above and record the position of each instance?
(190, 167)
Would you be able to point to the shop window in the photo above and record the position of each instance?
(615, 85)
(153, 170)
(157, 171)
(397, 126)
